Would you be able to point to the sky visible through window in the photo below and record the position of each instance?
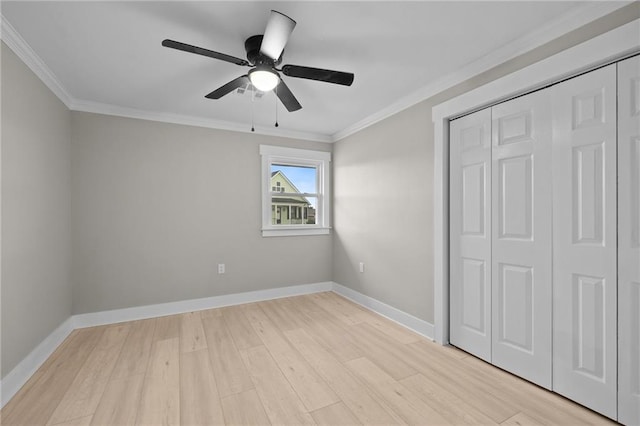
(304, 178)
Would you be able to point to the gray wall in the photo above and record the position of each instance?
(36, 289)
(383, 213)
(383, 183)
(157, 206)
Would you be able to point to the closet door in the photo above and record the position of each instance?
(521, 228)
(629, 241)
(470, 233)
(584, 240)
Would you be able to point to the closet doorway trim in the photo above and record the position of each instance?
(600, 50)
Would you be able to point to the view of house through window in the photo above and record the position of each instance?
(295, 191)
(294, 194)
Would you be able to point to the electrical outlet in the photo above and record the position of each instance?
(361, 266)
(221, 268)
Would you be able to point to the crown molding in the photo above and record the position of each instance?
(21, 48)
(165, 117)
(564, 24)
(558, 27)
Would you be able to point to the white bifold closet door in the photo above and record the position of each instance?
(584, 240)
(521, 228)
(470, 233)
(629, 241)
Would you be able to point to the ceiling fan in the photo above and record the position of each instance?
(264, 54)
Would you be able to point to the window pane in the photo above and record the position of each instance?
(291, 210)
(294, 178)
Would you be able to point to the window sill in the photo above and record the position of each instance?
(291, 232)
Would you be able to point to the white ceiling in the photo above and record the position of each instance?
(107, 56)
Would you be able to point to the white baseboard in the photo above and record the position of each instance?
(152, 311)
(22, 372)
(406, 320)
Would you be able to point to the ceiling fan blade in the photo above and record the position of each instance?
(276, 35)
(286, 97)
(229, 87)
(329, 76)
(204, 52)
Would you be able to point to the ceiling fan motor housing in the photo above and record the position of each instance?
(252, 46)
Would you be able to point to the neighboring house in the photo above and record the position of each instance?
(289, 209)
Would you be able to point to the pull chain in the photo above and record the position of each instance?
(253, 95)
(276, 106)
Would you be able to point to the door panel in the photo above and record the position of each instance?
(515, 197)
(514, 128)
(587, 325)
(472, 293)
(473, 199)
(521, 259)
(584, 240)
(470, 233)
(629, 241)
(633, 178)
(588, 203)
(515, 304)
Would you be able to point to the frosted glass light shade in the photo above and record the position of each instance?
(264, 80)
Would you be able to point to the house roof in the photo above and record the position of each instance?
(286, 179)
(300, 200)
(273, 174)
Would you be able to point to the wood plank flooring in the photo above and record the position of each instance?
(315, 359)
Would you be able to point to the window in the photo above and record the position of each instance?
(295, 191)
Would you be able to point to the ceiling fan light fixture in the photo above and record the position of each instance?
(264, 79)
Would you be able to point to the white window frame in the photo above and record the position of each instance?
(321, 161)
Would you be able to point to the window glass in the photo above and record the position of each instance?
(286, 182)
(295, 191)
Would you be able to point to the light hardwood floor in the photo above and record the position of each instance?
(316, 359)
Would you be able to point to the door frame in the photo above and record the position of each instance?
(598, 51)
